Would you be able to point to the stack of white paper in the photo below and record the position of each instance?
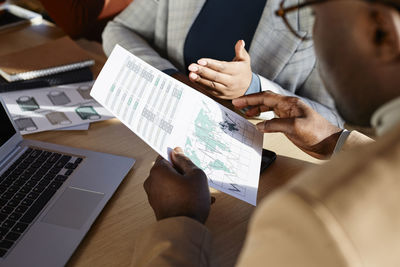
(63, 107)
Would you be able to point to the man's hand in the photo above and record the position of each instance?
(178, 190)
(226, 80)
(185, 79)
(202, 89)
(300, 123)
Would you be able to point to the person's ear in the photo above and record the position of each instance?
(386, 35)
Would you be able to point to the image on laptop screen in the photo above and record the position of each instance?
(7, 129)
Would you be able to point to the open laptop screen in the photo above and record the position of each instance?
(6, 128)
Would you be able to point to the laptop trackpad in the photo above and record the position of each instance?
(73, 208)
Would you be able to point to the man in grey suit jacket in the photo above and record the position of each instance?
(156, 32)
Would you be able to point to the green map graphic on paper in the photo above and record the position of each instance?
(209, 148)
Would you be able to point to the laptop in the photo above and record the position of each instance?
(50, 195)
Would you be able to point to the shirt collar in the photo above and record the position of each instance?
(386, 117)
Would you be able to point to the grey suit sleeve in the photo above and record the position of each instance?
(328, 113)
(134, 29)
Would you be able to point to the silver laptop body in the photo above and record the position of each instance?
(53, 235)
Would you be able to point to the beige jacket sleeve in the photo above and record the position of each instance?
(349, 140)
(178, 241)
(355, 139)
(285, 232)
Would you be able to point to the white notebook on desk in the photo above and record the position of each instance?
(53, 57)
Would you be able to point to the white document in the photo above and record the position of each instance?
(56, 107)
(166, 113)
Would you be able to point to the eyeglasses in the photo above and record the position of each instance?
(302, 28)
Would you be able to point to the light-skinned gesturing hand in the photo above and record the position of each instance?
(306, 128)
(178, 189)
(226, 80)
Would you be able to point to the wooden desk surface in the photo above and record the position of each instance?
(111, 240)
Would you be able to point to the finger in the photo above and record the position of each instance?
(147, 185)
(255, 111)
(277, 125)
(220, 66)
(210, 74)
(266, 98)
(218, 88)
(160, 167)
(182, 163)
(240, 52)
(158, 158)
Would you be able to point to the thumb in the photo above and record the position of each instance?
(240, 52)
(277, 125)
(182, 163)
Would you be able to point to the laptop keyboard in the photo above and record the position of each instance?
(26, 187)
